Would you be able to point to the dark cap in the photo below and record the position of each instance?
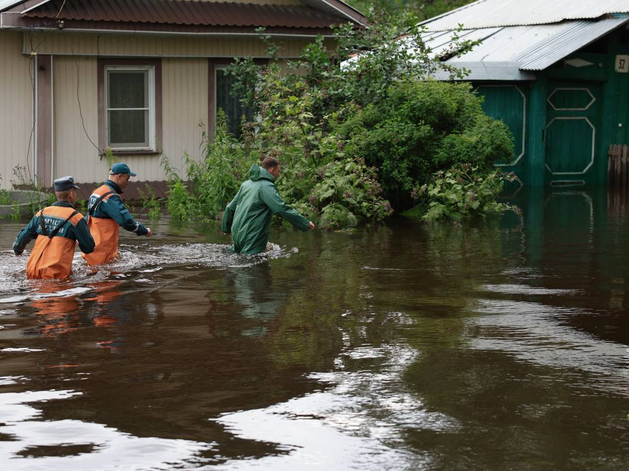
(122, 169)
(64, 184)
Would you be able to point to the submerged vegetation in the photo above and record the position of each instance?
(358, 129)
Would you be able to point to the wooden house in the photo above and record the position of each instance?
(556, 72)
(136, 76)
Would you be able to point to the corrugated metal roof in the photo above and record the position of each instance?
(4, 4)
(507, 52)
(185, 13)
(500, 13)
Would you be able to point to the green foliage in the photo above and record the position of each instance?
(211, 183)
(422, 127)
(80, 205)
(420, 10)
(110, 158)
(463, 192)
(5, 196)
(333, 117)
(336, 194)
(151, 202)
(16, 212)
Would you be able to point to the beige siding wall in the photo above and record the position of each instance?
(185, 86)
(105, 45)
(74, 154)
(16, 108)
(184, 107)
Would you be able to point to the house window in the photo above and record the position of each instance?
(130, 105)
(230, 104)
(130, 113)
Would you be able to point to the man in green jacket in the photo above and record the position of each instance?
(248, 216)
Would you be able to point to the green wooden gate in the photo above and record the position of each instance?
(572, 128)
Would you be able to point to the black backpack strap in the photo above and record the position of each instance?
(42, 224)
(58, 228)
(98, 201)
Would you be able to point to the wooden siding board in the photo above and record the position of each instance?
(43, 132)
(74, 153)
(145, 46)
(16, 109)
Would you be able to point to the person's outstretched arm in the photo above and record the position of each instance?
(115, 208)
(276, 204)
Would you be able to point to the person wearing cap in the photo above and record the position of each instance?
(106, 213)
(56, 229)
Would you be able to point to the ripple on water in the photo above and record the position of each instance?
(146, 259)
(536, 333)
(525, 289)
(76, 445)
(353, 424)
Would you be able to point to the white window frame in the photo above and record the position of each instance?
(151, 109)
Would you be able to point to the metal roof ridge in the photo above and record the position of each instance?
(451, 12)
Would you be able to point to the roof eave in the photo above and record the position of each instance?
(15, 21)
(339, 7)
(492, 71)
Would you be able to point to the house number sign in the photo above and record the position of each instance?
(622, 64)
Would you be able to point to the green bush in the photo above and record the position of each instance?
(355, 128)
(463, 192)
(422, 127)
(151, 202)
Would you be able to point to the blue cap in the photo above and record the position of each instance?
(122, 169)
(64, 184)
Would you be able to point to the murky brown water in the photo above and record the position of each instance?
(497, 346)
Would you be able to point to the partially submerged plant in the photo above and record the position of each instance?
(464, 192)
(151, 202)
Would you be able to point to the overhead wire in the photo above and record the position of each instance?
(78, 99)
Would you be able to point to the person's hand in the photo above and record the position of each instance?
(149, 233)
(311, 225)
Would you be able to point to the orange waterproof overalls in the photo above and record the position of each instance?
(51, 258)
(104, 231)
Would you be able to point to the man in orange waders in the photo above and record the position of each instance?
(56, 230)
(106, 212)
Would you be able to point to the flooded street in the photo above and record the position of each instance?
(500, 345)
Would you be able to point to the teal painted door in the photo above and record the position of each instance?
(507, 103)
(572, 129)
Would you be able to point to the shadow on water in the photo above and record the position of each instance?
(496, 345)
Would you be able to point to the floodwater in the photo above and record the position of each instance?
(501, 345)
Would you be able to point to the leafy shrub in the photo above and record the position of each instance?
(337, 194)
(354, 128)
(420, 128)
(5, 197)
(462, 192)
(151, 202)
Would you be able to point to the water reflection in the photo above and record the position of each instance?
(253, 292)
(33, 444)
(496, 345)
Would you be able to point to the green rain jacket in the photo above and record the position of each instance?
(248, 216)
